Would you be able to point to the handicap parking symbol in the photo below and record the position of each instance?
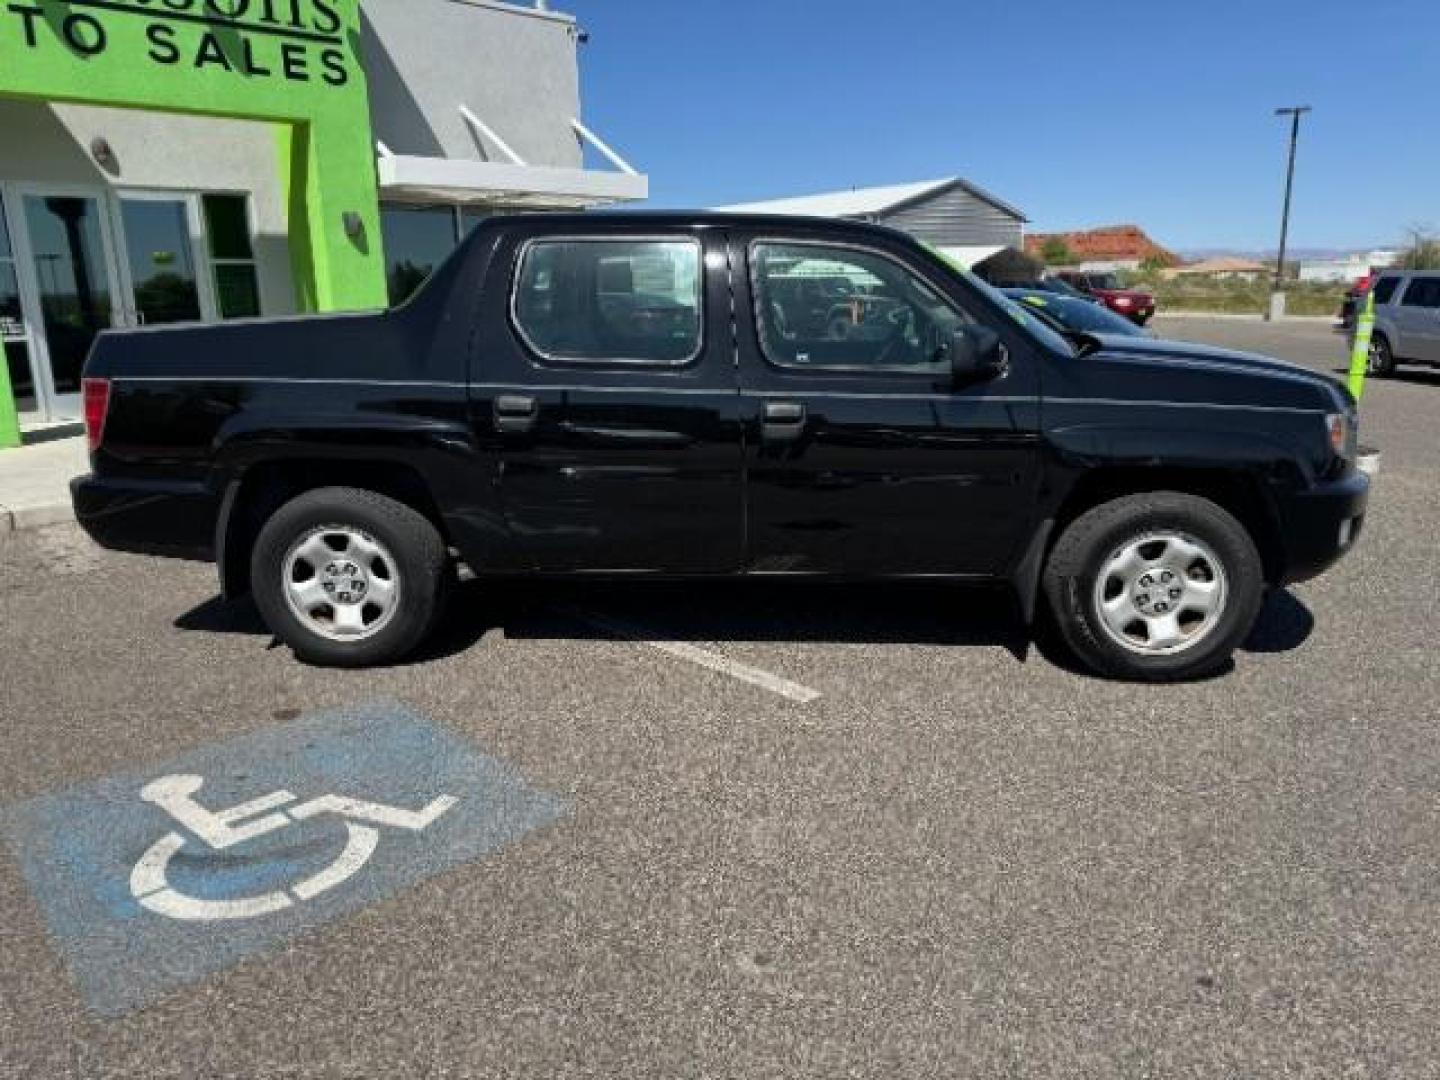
(151, 880)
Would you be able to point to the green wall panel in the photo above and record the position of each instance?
(292, 62)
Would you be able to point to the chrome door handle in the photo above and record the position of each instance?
(516, 412)
(782, 421)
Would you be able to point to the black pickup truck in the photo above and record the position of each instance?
(652, 394)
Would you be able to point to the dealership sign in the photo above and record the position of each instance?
(291, 63)
(300, 41)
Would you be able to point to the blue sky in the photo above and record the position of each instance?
(1080, 113)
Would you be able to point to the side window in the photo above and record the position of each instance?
(232, 257)
(1423, 292)
(818, 306)
(1385, 290)
(610, 301)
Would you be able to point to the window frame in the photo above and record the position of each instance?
(522, 252)
(758, 315)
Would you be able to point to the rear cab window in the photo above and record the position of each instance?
(601, 300)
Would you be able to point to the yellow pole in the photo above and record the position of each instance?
(1360, 352)
(9, 420)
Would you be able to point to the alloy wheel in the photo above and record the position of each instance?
(341, 583)
(1161, 594)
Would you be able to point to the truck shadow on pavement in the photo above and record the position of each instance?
(907, 613)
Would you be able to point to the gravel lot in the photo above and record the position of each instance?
(960, 859)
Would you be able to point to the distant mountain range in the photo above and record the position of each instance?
(1268, 254)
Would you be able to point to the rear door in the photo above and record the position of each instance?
(1419, 318)
(605, 377)
(862, 458)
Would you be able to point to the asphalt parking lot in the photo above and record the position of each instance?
(823, 832)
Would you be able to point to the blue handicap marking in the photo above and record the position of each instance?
(152, 880)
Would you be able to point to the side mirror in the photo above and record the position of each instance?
(976, 352)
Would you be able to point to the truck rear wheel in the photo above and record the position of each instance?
(1156, 587)
(348, 577)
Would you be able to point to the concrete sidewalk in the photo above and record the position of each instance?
(35, 483)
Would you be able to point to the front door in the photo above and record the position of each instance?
(14, 329)
(65, 244)
(1419, 317)
(862, 457)
(605, 376)
(82, 261)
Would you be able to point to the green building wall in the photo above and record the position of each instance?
(294, 63)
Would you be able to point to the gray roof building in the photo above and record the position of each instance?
(948, 213)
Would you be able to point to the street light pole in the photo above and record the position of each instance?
(1277, 297)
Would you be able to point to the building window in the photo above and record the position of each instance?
(232, 256)
(610, 301)
(419, 238)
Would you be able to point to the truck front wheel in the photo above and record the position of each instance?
(1158, 587)
(348, 577)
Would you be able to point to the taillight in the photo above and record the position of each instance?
(97, 406)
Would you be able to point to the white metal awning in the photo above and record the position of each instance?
(511, 182)
(424, 179)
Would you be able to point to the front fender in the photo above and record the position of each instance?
(1086, 446)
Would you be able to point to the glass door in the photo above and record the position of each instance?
(14, 336)
(70, 261)
(162, 260)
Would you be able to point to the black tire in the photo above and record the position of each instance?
(412, 543)
(1072, 577)
(1381, 362)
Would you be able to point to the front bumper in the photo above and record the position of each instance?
(148, 517)
(1322, 524)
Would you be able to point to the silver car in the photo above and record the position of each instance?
(1407, 320)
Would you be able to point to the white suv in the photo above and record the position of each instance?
(1407, 320)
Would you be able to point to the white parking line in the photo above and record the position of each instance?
(702, 657)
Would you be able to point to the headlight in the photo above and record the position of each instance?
(1342, 434)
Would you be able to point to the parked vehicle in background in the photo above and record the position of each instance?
(1051, 283)
(654, 394)
(1133, 304)
(1069, 314)
(1047, 284)
(1354, 297)
(1407, 320)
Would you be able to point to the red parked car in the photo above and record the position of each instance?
(1135, 305)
